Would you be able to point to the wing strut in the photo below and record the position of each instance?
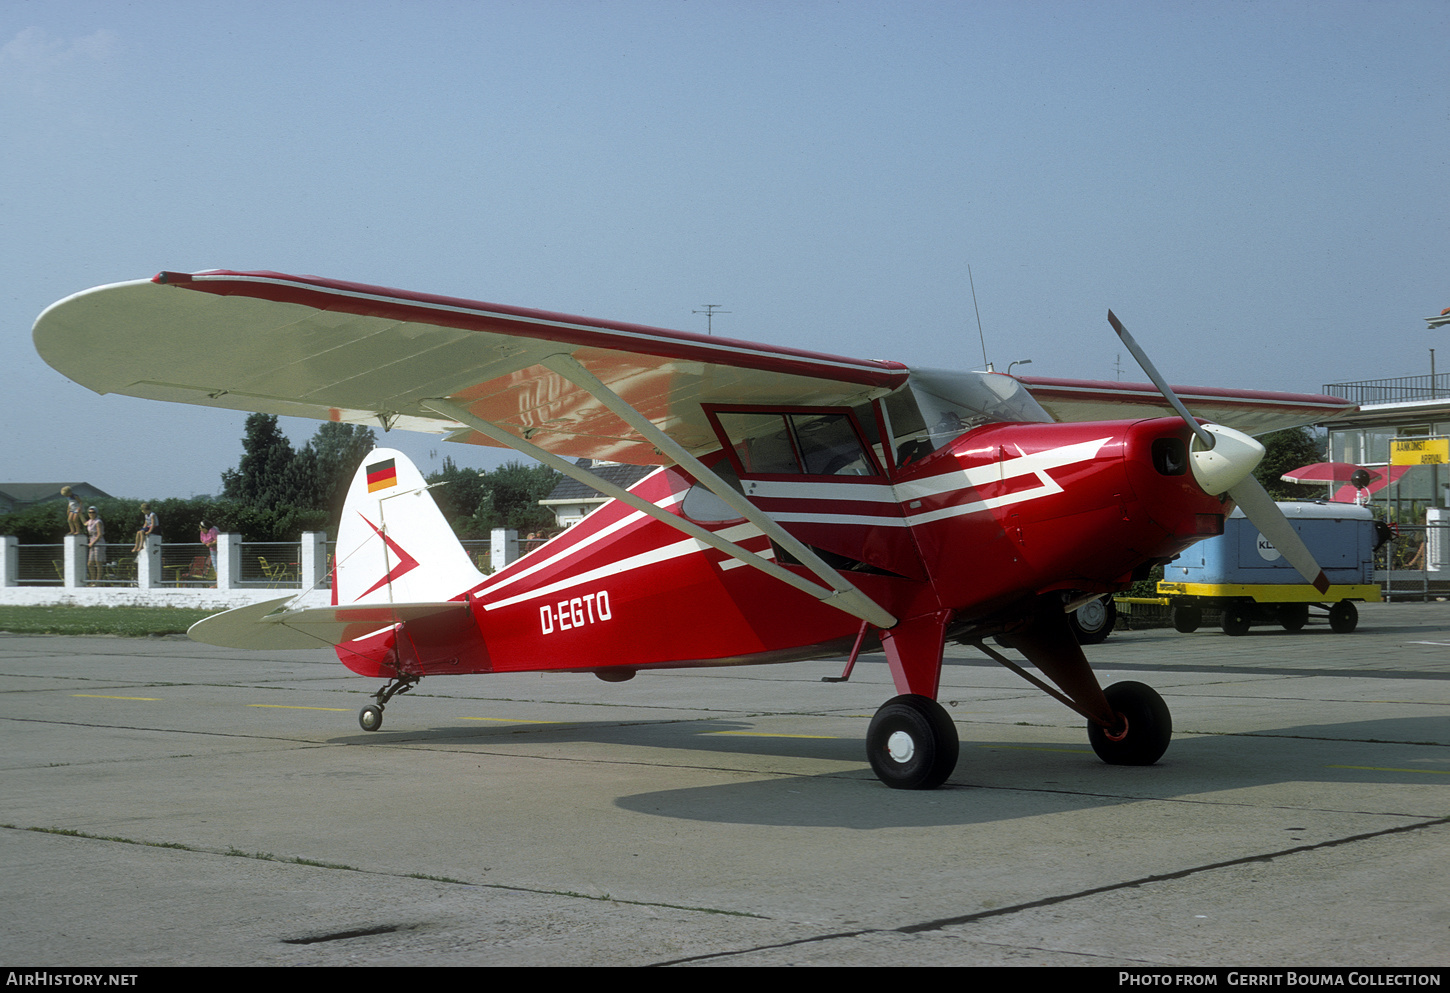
(570, 368)
(842, 595)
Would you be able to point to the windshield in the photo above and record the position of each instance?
(936, 406)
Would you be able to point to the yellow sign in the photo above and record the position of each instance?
(1420, 451)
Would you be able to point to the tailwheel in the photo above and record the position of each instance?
(370, 718)
(912, 743)
(1144, 730)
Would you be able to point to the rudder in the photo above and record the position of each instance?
(393, 544)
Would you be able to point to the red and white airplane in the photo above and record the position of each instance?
(808, 505)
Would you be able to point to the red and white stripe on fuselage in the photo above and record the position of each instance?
(665, 598)
(954, 493)
(621, 588)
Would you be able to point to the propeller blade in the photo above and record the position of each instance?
(1237, 468)
(1264, 514)
(1157, 380)
(1217, 467)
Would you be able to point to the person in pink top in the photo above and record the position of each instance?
(209, 538)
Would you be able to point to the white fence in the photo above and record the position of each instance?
(176, 574)
(185, 574)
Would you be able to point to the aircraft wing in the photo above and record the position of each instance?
(1250, 411)
(309, 347)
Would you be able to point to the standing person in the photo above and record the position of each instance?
(96, 545)
(72, 510)
(150, 525)
(209, 536)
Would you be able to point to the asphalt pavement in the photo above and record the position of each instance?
(169, 803)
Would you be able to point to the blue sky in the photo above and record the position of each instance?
(1259, 190)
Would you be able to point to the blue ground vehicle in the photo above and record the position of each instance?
(1245, 577)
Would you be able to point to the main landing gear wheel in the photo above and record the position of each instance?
(1146, 728)
(1094, 620)
(370, 717)
(912, 743)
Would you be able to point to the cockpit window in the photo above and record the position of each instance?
(815, 443)
(829, 445)
(937, 406)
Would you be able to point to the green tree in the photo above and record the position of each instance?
(265, 477)
(458, 496)
(514, 493)
(1284, 451)
(475, 502)
(335, 452)
(276, 492)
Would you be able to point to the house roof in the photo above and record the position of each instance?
(573, 491)
(28, 494)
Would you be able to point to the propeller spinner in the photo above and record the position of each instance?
(1223, 461)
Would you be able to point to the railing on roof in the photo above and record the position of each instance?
(1400, 390)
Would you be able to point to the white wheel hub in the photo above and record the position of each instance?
(900, 746)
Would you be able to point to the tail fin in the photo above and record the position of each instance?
(393, 545)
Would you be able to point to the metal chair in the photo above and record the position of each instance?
(276, 574)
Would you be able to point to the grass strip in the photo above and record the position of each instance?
(129, 622)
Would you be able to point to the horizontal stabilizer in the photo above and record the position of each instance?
(269, 626)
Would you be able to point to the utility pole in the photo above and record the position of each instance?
(711, 309)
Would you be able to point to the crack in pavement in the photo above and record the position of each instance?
(946, 922)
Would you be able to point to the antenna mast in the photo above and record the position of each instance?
(711, 309)
(980, 333)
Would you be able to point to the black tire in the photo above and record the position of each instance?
(1293, 616)
(1343, 617)
(370, 718)
(1094, 620)
(1147, 733)
(1237, 619)
(912, 743)
(1187, 619)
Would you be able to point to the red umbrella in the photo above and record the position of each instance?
(1326, 472)
(1342, 472)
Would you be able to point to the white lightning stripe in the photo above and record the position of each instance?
(933, 486)
(950, 482)
(1049, 487)
(728, 564)
(983, 475)
(664, 553)
(919, 489)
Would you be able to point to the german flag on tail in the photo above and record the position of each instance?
(381, 475)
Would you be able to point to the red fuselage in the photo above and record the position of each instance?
(980, 529)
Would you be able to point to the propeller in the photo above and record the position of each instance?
(1223, 461)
